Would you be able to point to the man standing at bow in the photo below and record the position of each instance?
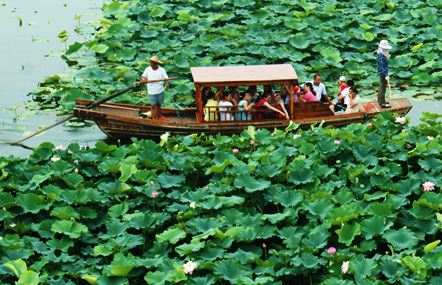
(382, 61)
(155, 90)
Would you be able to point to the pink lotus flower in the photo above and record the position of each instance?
(154, 194)
(344, 267)
(337, 142)
(60, 147)
(369, 124)
(428, 186)
(331, 250)
(235, 150)
(400, 120)
(55, 158)
(189, 267)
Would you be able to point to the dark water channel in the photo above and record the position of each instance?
(29, 52)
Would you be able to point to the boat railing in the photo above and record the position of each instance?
(257, 114)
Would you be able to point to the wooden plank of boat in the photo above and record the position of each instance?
(122, 122)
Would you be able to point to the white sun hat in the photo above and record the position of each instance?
(384, 45)
(342, 78)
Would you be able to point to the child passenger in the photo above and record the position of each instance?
(244, 106)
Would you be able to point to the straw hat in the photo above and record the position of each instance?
(384, 45)
(155, 59)
(342, 78)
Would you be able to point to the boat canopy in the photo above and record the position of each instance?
(244, 75)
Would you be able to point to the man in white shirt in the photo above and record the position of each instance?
(155, 90)
(319, 87)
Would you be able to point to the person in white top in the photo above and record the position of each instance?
(225, 107)
(355, 104)
(155, 90)
(319, 87)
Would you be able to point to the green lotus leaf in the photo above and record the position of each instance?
(251, 184)
(380, 209)
(62, 244)
(363, 267)
(432, 245)
(73, 179)
(170, 181)
(127, 170)
(319, 207)
(69, 228)
(65, 213)
(188, 248)
(29, 278)
(301, 176)
(288, 198)
(317, 238)
(401, 239)
(308, 260)
(112, 7)
(344, 213)
(368, 36)
(374, 226)
(204, 224)
(91, 279)
(158, 277)
(231, 271)
(416, 265)
(118, 210)
(121, 265)
(216, 202)
(18, 267)
(172, 235)
(348, 232)
(32, 203)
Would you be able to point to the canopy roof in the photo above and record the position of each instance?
(244, 75)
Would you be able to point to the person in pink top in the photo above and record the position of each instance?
(309, 95)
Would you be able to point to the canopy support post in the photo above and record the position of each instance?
(291, 90)
(199, 104)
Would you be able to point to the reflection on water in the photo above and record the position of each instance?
(28, 34)
(28, 44)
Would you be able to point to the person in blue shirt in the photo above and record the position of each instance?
(382, 62)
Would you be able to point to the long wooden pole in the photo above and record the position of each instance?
(90, 106)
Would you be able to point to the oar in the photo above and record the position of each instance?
(92, 105)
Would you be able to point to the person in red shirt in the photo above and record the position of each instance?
(342, 83)
(309, 93)
(264, 102)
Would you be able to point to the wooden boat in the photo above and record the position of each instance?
(123, 121)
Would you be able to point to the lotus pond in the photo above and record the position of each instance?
(358, 205)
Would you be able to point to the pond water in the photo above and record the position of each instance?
(28, 53)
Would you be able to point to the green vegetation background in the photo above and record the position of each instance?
(330, 37)
(258, 208)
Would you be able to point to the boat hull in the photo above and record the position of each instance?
(122, 121)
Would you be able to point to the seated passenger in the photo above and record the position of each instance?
(355, 104)
(225, 107)
(235, 94)
(264, 102)
(219, 94)
(279, 103)
(309, 93)
(243, 107)
(343, 98)
(210, 109)
(342, 83)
